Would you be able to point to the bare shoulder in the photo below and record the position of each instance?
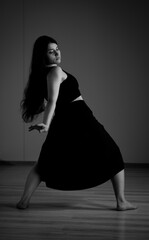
(55, 73)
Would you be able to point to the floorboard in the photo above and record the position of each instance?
(82, 215)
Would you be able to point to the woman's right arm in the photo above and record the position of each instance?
(54, 79)
(53, 83)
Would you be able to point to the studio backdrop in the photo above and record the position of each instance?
(103, 43)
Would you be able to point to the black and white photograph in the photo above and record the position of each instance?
(74, 124)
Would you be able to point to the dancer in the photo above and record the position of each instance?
(78, 152)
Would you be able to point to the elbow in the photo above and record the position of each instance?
(51, 102)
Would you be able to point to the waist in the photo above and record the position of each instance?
(62, 104)
(61, 108)
(78, 98)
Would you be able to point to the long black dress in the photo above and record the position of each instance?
(78, 153)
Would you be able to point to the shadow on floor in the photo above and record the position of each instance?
(58, 206)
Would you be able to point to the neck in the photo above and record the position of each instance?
(51, 65)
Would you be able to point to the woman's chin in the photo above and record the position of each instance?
(58, 61)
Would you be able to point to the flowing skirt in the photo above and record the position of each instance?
(78, 153)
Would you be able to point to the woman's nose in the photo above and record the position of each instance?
(56, 53)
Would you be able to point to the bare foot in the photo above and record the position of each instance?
(22, 205)
(124, 206)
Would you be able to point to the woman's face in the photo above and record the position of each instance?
(53, 55)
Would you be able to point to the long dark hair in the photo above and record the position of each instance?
(34, 93)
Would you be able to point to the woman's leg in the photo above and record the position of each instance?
(32, 182)
(118, 182)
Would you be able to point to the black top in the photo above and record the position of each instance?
(69, 90)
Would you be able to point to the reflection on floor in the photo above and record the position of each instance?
(87, 214)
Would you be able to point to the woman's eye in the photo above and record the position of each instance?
(51, 51)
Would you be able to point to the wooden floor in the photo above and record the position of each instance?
(81, 215)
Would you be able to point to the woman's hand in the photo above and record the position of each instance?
(41, 127)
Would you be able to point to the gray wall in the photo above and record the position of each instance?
(103, 43)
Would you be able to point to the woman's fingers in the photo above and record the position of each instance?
(40, 127)
(30, 128)
(35, 127)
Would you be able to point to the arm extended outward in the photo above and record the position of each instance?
(53, 83)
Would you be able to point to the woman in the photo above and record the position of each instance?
(78, 153)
